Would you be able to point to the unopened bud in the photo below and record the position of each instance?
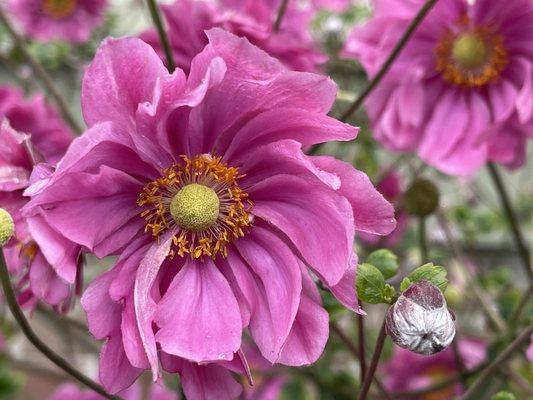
(420, 320)
(422, 198)
(7, 227)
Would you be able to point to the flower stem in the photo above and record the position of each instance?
(498, 362)
(374, 362)
(422, 240)
(352, 349)
(512, 219)
(38, 70)
(163, 38)
(281, 14)
(361, 337)
(34, 339)
(390, 59)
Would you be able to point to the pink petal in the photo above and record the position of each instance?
(208, 382)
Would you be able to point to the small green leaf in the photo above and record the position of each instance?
(384, 260)
(388, 293)
(370, 284)
(406, 282)
(431, 273)
(503, 395)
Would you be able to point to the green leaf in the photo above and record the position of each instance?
(370, 284)
(406, 282)
(503, 395)
(431, 273)
(388, 293)
(384, 260)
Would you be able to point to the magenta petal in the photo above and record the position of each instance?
(524, 102)
(208, 382)
(199, 316)
(45, 283)
(372, 213)
(116, 372)
(145, 305)
(121, 76)
(316, 220)
(344, 290)
(310, 330)
(279, 284)
(131, 338)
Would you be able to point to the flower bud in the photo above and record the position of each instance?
(422, 198)
(7, 227)
(420, 320)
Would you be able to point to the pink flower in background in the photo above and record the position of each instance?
(69, 391)
(42, 260)
(407, 371)
(201, 187)
(334, 5)
(69, 20)
(188, 19)
(390, 188)
(268, 382)
(460, 92)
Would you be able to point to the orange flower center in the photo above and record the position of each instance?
(59, 9)
(201, 201)
(473, 58)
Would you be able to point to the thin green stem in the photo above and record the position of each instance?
(374, 362)
(422, 240)
(352, 349)
(390, 59)
(498, 362)
(281, 14)
(163, 37)
(41, 73)
(512, 219)
(11, 300)
(361, 343)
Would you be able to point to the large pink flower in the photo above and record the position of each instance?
(188, 19)
(460, 93)
(68, 20)
(69, 391)
(422, 371)
(42, 260)
(200, 184)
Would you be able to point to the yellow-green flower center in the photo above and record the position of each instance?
(195, 207)
(59, 9)
(469, 51)
(7, 227)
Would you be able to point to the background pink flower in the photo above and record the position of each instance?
(188, 19)
(407, 371)
(69, 391)
(460, 92)
(226, 141)
(68, 20)
(41, 259)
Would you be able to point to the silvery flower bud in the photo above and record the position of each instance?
(7, 227)
(420, 320)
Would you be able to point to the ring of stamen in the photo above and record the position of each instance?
(59, 9)
(200, 200)
(473, 58)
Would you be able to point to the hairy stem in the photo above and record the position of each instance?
(163, 37)
(281, 14)
(41, 73)
(38, 343)
(374, 362)
(428, 5)
(512, 219)
(361, 337)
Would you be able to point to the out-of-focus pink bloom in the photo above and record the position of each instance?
(41, 259)
(529, 353)
(69, 391)
(408, 371)
(200, 184)
(460, 93)
(334, 5)
(267, 385)
(68, 20)
(187, 21)
(390, 188)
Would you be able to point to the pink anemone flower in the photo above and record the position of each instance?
(460, 93)
(42, 261)
(69, 391)
(424, 371)
(187, 20)
(201, 187)
(68, 20)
